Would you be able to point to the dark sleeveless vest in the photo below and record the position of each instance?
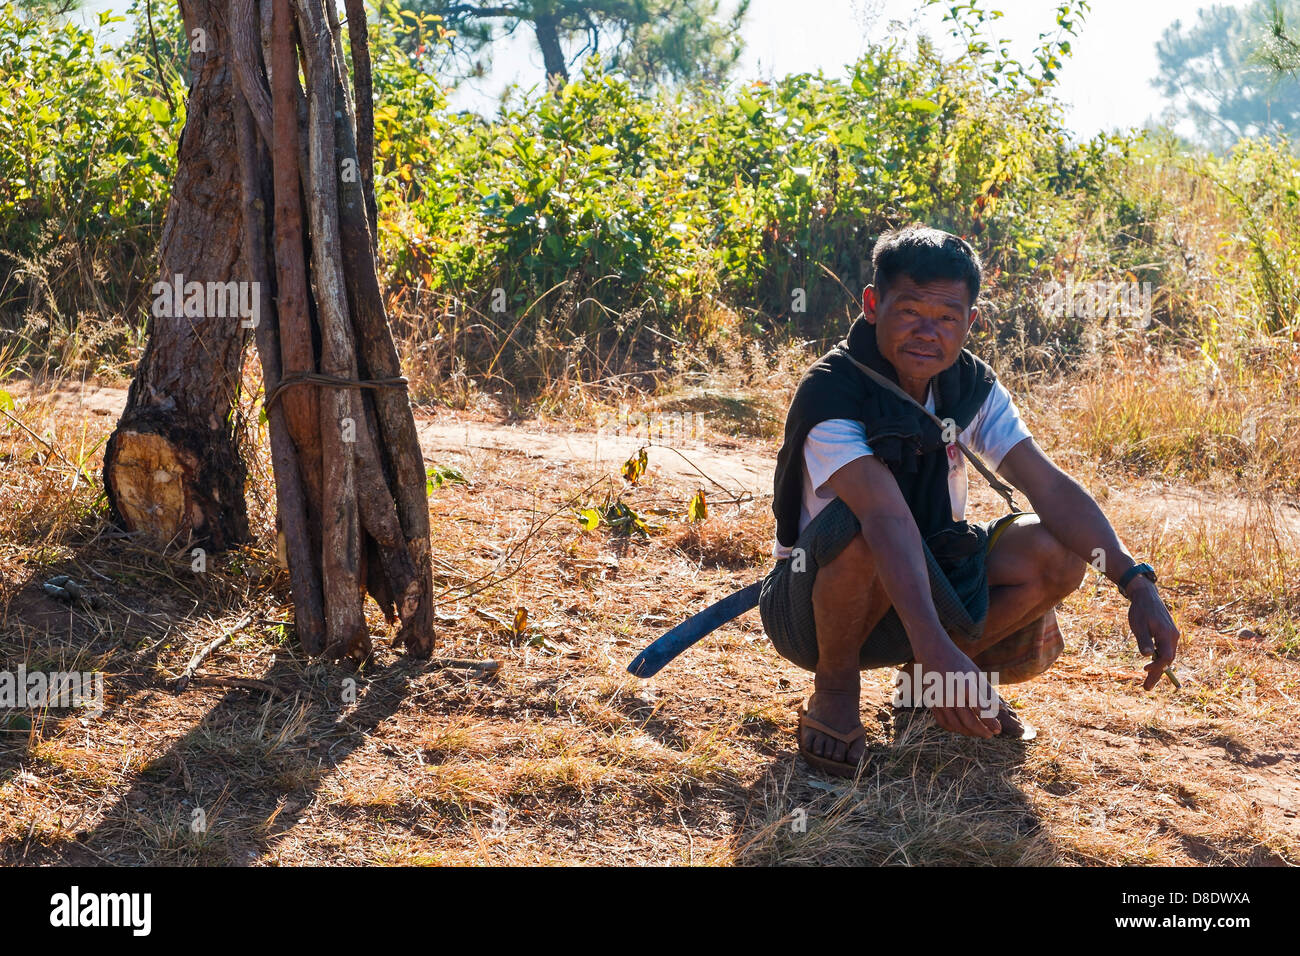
(900, 435)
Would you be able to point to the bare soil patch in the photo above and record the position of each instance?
(563, 757)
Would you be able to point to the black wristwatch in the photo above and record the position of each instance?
(1143, 569)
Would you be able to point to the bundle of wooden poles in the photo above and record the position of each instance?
(349, 475)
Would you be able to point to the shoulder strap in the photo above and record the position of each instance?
(974, 459)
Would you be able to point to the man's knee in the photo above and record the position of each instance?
(1030, 555)
(1062, 569)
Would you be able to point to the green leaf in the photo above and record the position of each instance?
(519, 214)
(440, 475)
(6, 401)
(920, 104)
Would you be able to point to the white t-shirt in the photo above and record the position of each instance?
(830, 445)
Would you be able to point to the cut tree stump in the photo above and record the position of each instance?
(172, 468)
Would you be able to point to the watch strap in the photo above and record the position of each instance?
(1127, 577)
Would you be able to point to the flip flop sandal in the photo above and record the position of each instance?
(837, 768)
(1026, 731)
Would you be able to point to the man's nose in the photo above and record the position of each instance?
(926, 328)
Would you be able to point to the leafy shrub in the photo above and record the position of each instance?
(87, 146)
(582, 234)
(671, 204)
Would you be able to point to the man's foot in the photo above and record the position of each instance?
(835, 711)
(1013, 727)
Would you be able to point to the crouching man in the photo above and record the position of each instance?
(876, 563)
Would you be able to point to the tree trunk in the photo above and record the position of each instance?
(548, 38)
(350, 480)
(172, 470)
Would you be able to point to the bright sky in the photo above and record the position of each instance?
(1105, 83)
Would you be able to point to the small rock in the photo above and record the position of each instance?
(1246, 634)
(65, 588)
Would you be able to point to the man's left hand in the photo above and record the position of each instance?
(1154, 628)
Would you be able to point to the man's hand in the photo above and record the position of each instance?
(1072, 516)
(944, 658)
(869, 489)
(1154, 628)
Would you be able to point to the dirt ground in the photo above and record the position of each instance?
(560, 756)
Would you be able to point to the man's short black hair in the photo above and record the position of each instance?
(925, 255)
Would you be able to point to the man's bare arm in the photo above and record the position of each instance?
(1065, 508)
(872, 494)
(1074, 519)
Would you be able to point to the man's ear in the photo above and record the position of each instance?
(869, 304)
(974, 319)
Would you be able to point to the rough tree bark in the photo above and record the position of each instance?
(172, 468)
(350, 479)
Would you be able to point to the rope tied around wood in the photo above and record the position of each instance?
(333, 381)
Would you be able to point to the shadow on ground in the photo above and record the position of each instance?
(237, 774)
(923, 797)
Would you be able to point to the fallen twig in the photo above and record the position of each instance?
(523, 561)
(246, 683)
(486, 667)
(738, 496)
(197, 660)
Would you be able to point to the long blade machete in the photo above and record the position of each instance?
(654, 658)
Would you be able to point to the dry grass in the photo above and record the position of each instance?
(564, 758)
(1187, 419)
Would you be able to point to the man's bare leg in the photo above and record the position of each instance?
(848, 603)
(1029, 572)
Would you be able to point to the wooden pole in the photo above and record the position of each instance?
(350, 480)
(340, 413)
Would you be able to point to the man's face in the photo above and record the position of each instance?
(920, 328)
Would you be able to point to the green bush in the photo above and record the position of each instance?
(87, 148)
(1261, 178)
(676, 202)
(567, 223)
